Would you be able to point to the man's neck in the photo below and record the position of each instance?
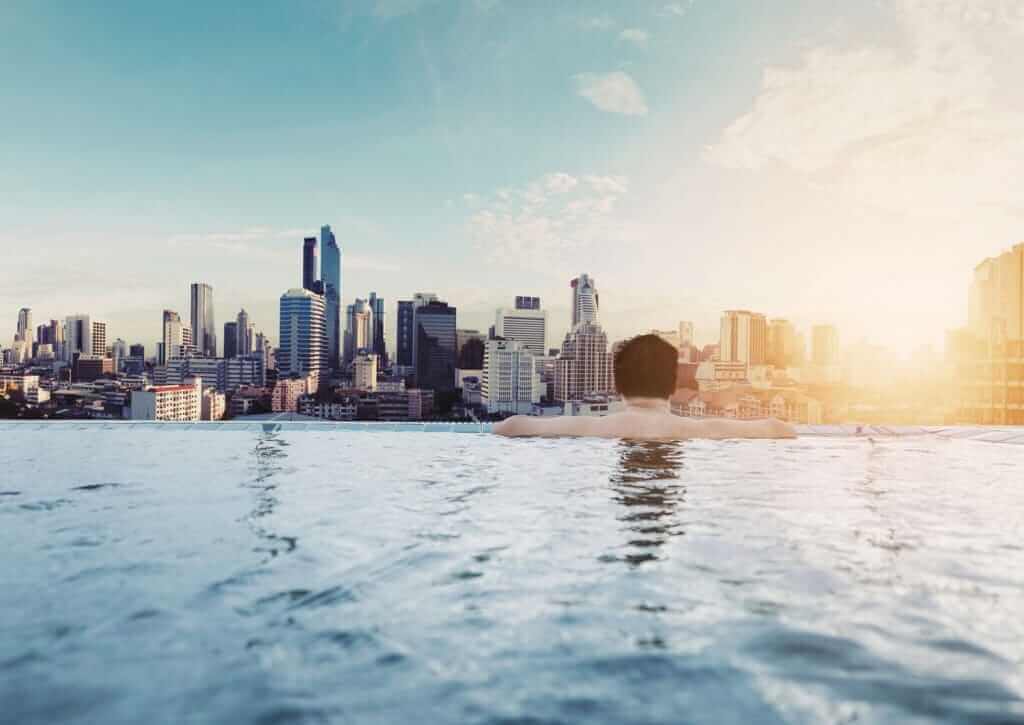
(647, 405)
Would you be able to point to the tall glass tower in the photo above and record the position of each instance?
(204, 337)
(330, 275)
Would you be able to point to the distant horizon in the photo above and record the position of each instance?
(846, 166)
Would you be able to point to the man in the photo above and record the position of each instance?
(645, 376)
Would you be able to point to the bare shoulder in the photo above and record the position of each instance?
(525, 425)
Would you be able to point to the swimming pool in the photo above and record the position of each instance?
(237, 574)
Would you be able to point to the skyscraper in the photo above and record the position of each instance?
(230, 339)
(24, 330)
(330, 274)
(204, 337)
(309, 263)
(404, 333)
(172, 341)
(585, 300)
(744, 337)
(77, 336)
(99, 339)
(244, 333)
(781, 344)
(685, 334)
(434, 345)
(378, 345)
(303, 335)
(358, 329)
(584, 366)
(527, 324)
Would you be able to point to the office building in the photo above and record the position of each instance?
(378, 344)
(509, 382)
(84, 337)
(245, 333)
(137, 351)
(303, 335)
(118, 353)
(526, 324)
(358, 329)
(24, 330)
(584, 365)
(365, 371)
(686, 336)
(204, 336)
(585, 300)
(242, 371)
(330, 275)
(309, 264)
(173, 339)
(230, 339)
(434, 345)
(782, 352)
(404, 333)
(743, 337)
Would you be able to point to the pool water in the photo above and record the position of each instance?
(230, 576)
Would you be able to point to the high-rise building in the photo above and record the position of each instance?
(584, 365)
(230, 339)
(686, 337)
(118, 352)
(309, 264)
(510, 382)
(172, 343)
(434, 345)
(244, 332)
(77, 336)
(377, 344)
(782, 344)
(303, 335)
(744, 337)
(358, 329)
(404, 333)
(996, 298)
(99, 338)
(330, 274)
(527, 324)
(365, 371)
(137, 351)
(825, 346)
(204, 336)
(585, 300)
(24, 329)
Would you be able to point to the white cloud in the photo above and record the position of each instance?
(600, 22)
(558, 217)
(634, 35)
(676, 9)
(614, 92)
(930, 128)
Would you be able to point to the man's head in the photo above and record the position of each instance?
(645, 367)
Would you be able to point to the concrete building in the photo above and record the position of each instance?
(204, 334)
(330, 276)
(743, 337)
(585, 300)
(303, 335)
(358, 329)
(527, 325)
(84, 336)
(365, 371)
(584, 365)
(434, 345)
(180, 403)
(213, 405)
(509, 382)
(284, 398)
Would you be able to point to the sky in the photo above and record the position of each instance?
(844, 163)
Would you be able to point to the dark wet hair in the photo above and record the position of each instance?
(645, 367)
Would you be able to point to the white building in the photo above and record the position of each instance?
(358, 329)
(365, 371)
(585, 301)
(213, 405)
(84, 336)
(744, 337)
(527, 325)
(509, 383)
(182, 403)
(584, 366)
(303, 335)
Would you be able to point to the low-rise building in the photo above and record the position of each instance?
(168, 402)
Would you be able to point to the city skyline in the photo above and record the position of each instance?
(699, 176)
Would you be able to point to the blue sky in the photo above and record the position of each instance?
(846, 165)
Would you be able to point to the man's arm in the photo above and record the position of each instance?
(720, 428)
(526, 425)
